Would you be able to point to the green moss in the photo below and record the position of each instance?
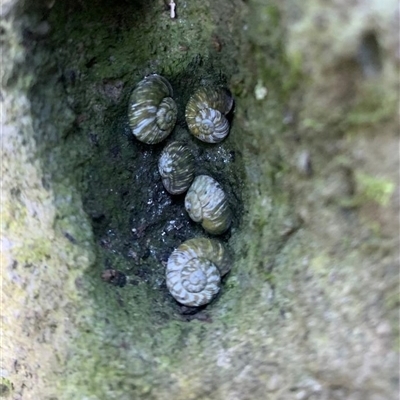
(374, 189)
(293, 284)
(392, 304)
(6, 388)
(316, 125)
(374, 105)
(294, 75)
(369, 189)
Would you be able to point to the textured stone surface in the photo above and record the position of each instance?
(310, 308)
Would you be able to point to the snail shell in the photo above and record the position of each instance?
(205, 113)
(152, 111)
(176, 167)
(207, 203)
(194, 271)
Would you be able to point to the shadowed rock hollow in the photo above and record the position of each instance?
(310, 307)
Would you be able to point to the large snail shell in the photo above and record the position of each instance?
(152, 111)
(194, 271)
(207, 203)
(176, 167)
(205, 113)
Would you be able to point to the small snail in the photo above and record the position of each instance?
(152, 111)
(205, 113)
(194, 271)
(176, 167)
(207, 203)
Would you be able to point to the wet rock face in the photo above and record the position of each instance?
(309, 308)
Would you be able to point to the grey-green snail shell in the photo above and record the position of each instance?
(176, 167)
(206, 113)
(207, 203)
(152, 111)
(194, 271)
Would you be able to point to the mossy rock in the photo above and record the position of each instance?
(310, 306)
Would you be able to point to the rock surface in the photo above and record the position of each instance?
(310, 308)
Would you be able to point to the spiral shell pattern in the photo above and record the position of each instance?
(152, 111)
(194, 271)
(207, 203)
(176, 167)
(206, 113)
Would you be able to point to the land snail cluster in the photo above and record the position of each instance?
(195, 268)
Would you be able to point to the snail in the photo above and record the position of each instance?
(206, 113)
(194, 271)
(176, 167)
(152, 111)
(207, 203)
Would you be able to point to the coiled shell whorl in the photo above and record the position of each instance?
(176, 167)
(207, 203)
(152, 111)
(206, 113)
(194, 271)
